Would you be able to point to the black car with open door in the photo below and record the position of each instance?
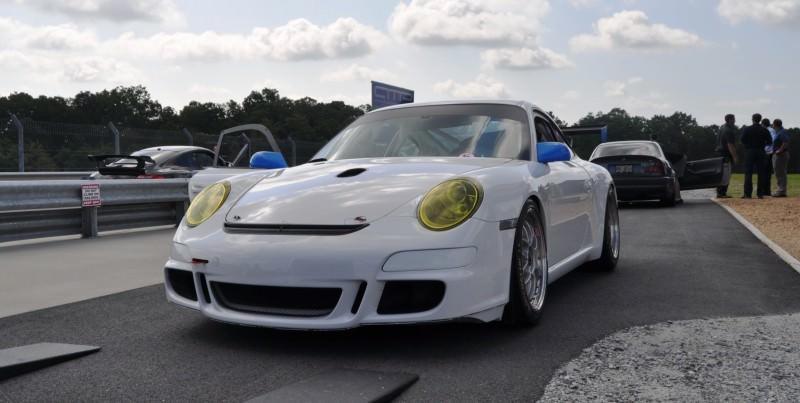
(643, 171)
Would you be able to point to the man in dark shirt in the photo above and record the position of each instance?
(726, 148)
(754, 138)
(780, 159)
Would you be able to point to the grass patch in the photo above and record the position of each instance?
(736, 186)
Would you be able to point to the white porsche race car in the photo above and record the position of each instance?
(413, 213)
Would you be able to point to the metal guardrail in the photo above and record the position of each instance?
(28, 176)
(35, 209)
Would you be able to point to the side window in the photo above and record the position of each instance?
(184, 160)
(543, 132)
(202, 159)
(560, 136)
(557, 134)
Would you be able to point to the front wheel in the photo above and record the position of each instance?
(528, 284)
(611, 235)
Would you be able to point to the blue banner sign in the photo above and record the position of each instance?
(387, 95)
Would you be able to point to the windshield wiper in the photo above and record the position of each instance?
(317, 160)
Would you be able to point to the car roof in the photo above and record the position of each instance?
(175, 148)
(522, 104)
(629, 142)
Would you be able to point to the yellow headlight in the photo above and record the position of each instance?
(207, 202)
(449, 204)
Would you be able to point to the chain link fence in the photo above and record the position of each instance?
(54, 146)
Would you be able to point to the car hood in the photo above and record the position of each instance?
(326, 193)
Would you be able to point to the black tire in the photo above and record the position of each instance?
(673, 196)
(611, 236)
(670, 198)
(528, 263)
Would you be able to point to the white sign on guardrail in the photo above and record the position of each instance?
(90, 195)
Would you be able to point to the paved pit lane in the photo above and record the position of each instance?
(692, 261)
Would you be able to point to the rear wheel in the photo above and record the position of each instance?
(528, 284)
(611, 236)
(672, 196)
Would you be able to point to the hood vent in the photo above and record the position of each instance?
(351, 172)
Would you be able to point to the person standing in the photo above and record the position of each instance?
(726, 148)
(754, 138)
(780, 157)
(767, 183)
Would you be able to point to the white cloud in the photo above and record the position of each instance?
(482, 87)
(96, 69)
(571, 95)
(770, 87)
(15, 34)
(762, 11)
(296, 40)
(468, 22)
(629, 95)
(14, 60)
(356, 72)
(632, 30)
(524, 59)
(746, 103)
(162, 11)
(620, 88)
(209, 91)
(583, 3)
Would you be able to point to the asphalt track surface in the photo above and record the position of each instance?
(692, 261)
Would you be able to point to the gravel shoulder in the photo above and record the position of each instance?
(734, 359)
(777, 218)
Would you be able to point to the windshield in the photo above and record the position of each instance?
(618, 149)
(493, 131)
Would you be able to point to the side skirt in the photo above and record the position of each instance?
(567, 265)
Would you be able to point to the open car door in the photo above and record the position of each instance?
(704, 174)
(248, 148)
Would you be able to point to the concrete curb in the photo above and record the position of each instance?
(782, 253)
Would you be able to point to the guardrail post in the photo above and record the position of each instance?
(88, 222)
(180, 211)
(188, 135)
(20, 143)
(115, 132)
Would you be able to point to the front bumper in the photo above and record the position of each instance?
(344, 281)
(643, 188)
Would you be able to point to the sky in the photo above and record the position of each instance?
(703, 57)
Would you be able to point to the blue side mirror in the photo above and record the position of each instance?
(267, 160)
(552, 152)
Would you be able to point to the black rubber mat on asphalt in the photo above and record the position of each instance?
(691, 261)
(341, 385)
(19, 360)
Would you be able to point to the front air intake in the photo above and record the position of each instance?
(410, 296)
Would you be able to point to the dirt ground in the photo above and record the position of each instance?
(777, 218)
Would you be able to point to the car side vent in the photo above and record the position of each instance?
(351, 172)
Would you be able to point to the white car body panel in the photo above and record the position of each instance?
(208, 176)
(473, 260)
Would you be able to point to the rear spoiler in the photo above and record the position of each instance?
(596, 130)
(122, 170)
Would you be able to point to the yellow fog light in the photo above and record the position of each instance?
(449, 204)
(207, 202)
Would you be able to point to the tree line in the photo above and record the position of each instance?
(306, 119)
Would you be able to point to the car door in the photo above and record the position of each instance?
(569, 200)
(704, 174)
